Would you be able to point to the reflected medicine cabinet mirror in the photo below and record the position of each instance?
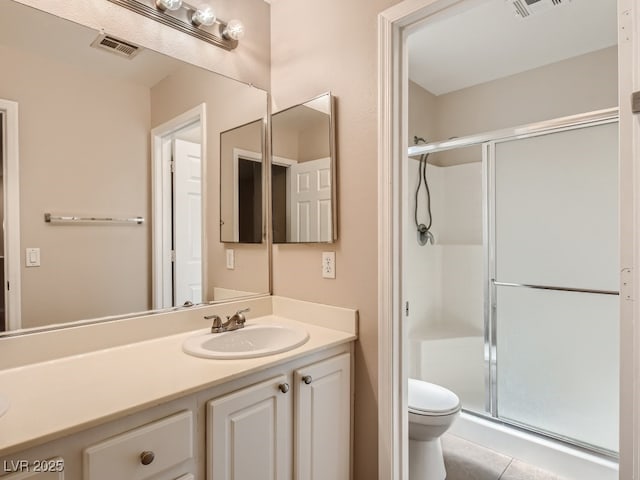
(85, 120)
(241, 184)
(303, 173)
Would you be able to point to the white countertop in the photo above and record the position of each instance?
(65, 395)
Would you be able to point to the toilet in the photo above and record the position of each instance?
(432, 410)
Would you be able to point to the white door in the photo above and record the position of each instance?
(310, 201)
(322, 418)
(187, 222)
(249, 433)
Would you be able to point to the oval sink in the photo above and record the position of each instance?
(252, 341)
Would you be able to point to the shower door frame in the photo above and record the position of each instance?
(558, 125)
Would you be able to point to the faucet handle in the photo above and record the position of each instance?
(217, 322)
(238, 317)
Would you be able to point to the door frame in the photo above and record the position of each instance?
(161, 209)
(394, 25)
(11, 170)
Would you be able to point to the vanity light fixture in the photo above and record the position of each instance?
(171, 5)
(234, 30)
(204, 16)
(200, 22)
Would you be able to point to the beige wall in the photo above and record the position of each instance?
(306, 62)
(422, 114)
(68, 166)
(581, 84)
(249, 62)
(301, 133)
(228, 104)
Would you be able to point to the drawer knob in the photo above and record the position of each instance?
(284, 387)
(147, 457)
(307, 379)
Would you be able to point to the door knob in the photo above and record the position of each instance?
(284, 387)
(307, 379)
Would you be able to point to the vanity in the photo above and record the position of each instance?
(146, 409)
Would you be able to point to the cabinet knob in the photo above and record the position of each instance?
(284, 387)
(307, 379)
(147, 457)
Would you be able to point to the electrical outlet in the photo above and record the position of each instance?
(328, 264)
(231, 259)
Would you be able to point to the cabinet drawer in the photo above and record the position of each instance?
(163, 444)
(52, 469)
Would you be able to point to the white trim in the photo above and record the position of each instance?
(11, 176)
(283, 161)
(161, 267)
(629, 81)
(392, 116)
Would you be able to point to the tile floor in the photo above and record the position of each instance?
(468, 461)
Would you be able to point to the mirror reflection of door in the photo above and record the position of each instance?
(310, 200)
(187, 218)
(178, 165)
(303, 171)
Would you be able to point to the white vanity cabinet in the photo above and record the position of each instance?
(323, 420)
(35, 475)
(298, 422)
(249, 432)
(291, 420)
(142, 453)
(156, 444)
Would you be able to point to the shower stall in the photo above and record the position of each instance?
(521, 316)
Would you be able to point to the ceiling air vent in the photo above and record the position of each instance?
(115, 45)
(527, 8)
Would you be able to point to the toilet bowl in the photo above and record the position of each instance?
(432, 410)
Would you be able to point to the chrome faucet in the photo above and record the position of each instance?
(234, 322)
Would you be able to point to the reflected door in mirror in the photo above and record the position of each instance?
(303, 173)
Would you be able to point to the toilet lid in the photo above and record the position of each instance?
(430, 399)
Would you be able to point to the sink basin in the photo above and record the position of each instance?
(252, 341)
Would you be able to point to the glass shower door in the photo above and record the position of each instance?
(554, 276)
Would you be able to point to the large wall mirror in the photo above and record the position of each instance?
(105, 138)
(303, 173)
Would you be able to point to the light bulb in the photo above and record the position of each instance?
(168, 4)
(205, 16)
(234, 30)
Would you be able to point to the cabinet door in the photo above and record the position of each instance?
(249, 433)
(323, 420)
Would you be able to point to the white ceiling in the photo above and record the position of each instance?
(489, 41)
(31, 30)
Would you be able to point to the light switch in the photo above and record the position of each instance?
(33, 257)
(231, 259)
